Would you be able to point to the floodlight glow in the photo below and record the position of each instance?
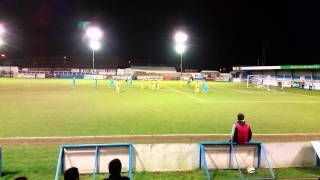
(180, 37)
(1, 29)
(180, 48)
(95, 45)
(94, 33)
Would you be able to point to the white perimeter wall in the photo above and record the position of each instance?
(184, 157)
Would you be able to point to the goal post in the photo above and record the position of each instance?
(259, 81)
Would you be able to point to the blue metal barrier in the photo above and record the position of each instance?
(59, 169)
(261, 152)
(0, 161)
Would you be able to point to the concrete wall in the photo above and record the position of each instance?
(218, 157)
(184, 157)
(291, 154)
(84, 158)
(166, 157)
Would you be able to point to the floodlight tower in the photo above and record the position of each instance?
(2, 31)
(1, 41)
(94, 35)
(180, 38)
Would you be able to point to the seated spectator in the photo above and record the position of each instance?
(241, 132)
(115, 170)
(21, 178)
(71, 174)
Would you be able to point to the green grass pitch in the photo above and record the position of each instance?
(50, 107)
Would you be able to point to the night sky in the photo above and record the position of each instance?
(221, 33)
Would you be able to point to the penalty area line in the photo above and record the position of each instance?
(303, 95)
(183, 93)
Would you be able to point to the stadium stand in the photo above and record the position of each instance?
(300, 76)
(154, 69)
(135, 72)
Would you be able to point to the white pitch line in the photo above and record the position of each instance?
(180, 92)
(245, 91)
(242, 101)
(238, 90)
(304, 95)
(159, 135)
(258, 101)
(280, 92)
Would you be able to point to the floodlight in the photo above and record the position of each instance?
(180, 37)
(2, 30)
(180, 48)
(94, 33)
(95, 45)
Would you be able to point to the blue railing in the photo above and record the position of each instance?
(60, 168)
(261, 152)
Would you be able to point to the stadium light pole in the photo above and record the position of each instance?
(94, 45)
(1, 41)
(180, 48)
(94, 35)
(180, 38)
(2, 31)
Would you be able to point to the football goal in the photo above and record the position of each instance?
(259, 82)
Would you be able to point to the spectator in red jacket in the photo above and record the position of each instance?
(241, 132)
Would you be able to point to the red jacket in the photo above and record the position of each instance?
(242, 133)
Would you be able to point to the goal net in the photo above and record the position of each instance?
(259, 82)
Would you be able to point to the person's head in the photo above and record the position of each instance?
(21, 178)
(71, 174)
(241, 118)
(115, 167)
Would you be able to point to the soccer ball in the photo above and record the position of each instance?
(251, 170)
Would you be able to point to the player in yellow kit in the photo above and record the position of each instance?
(117, 86)
(158, 85)
(153, 85)
(197, 87)
(142, 84)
